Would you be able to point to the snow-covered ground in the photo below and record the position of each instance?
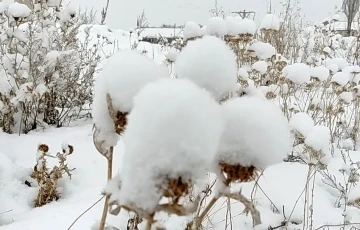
(283, 184)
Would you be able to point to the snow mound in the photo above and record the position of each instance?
(341, 78)
(318, 138)
(256, 133)
(262, 50)
(210, 63)
(302, 123)
(247, 26)
(233, 25)
(270, 22)
(340, 62)
(18, 10)
(217, 27)
(192, 30)
(124, 74)
(243, 74)
(320, 72)
(173, 131)
(298, 73)
(260, 66)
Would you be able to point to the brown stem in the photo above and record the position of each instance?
(109, 176)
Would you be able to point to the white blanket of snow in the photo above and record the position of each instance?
(282, 183)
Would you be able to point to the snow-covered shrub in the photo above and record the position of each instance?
(46, 72)
(256, 135)
(210, 63)
(171, 139)
(120, 80)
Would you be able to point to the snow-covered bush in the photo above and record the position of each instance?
(171, 139)
(256, 135)
(120, 80)
(210, 63)
(46, 72)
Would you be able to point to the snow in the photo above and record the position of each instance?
(256, 133)
(233, 25)
(346, 97)
(173, 131)
(243, 74)
(327, 50)
(340, 78)
(340, 62)
(192, 30)
(18, 10)
(210, 63)
(216, 27)
(122, 79)
(262, 50)
(247, 26)
(260, 66)
(320, 72)
(318, 138)
(302, 123)
(270, 22)
(298, 73)
(172, 55)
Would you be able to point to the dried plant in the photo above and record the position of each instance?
(47, 179)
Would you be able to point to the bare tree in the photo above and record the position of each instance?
(350, 8)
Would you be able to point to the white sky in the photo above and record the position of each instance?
(122, 13)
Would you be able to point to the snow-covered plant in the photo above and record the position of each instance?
(46, 178)
(210, 63)
(46, 72)
(171, 139)
(120, 80)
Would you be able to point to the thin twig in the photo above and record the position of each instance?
(73, 223)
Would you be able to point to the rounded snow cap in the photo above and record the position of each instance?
(256, 133)
(210, 63)
(173, 131)
(122, 79)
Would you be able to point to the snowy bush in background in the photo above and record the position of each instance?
(46, 74)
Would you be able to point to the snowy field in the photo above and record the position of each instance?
(240, 124)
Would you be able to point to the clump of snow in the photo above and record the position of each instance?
(18, 10)
(298, 73)
(302, 123)
(270, 22)
(192, 30)
(346, 97)
(210, 63)
(216, 26)
(340, 62)
(336, 17)
(233, 25)
(172, 55)
(262, 50)
(318, 138)
(123, 76)
(256, 133)
(352, 69)
(173, 131)
(341, 78)
(333, 68)
(247, 26)
(327, 50)
(260, 66)
(243, 74)
(320, 72)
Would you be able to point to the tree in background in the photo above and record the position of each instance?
(350, 8)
